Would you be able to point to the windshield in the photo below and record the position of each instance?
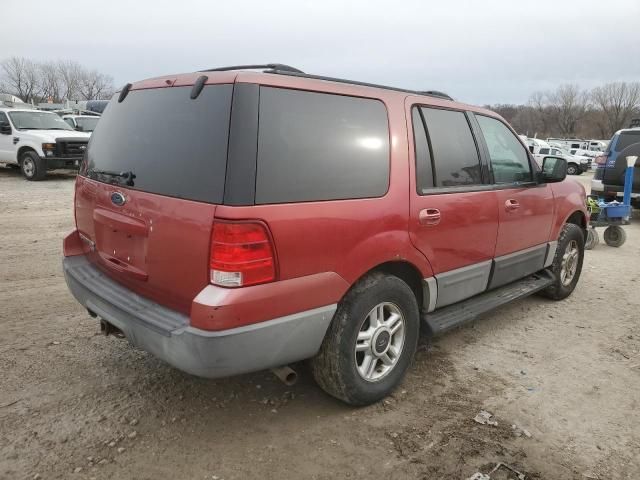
(87, 124)
(161, 141)
(38, 121)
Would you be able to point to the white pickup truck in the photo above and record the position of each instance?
(37, 141)
(576, 165)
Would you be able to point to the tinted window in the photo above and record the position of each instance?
(627, 138)
(174, 146)
(544, 151)
(315, 146)
(455, 156)
(424, 173)
(3, 118)
(509, 159)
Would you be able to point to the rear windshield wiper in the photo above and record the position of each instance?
(127, 176)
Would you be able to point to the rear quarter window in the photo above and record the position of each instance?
(627, 138)
(316, 146)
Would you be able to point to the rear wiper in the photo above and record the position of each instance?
(127, 176)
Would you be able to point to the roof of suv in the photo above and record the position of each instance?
(293, 78)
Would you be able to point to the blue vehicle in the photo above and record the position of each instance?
(614, 214)
(608, 179)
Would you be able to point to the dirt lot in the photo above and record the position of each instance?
(76, 405)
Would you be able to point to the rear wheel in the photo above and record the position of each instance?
(370, 342)
(567, 263)
(592, 239)
(33, 167)
(615, 236)
(573, 169)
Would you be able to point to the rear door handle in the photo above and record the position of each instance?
(429, 216)
(511, 205)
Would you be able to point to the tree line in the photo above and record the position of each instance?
(570, 112)
(53, 81)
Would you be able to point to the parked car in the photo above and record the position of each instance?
(37, 141)
(576, 165)
(245, 220)
(608, 178)
(82, 123)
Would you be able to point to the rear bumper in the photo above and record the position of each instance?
(597, 187)
(167, 334)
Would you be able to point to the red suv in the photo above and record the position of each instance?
(234, 220)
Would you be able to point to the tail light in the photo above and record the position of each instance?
(601, 160)
(241, 254)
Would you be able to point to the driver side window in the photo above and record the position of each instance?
(509, 159)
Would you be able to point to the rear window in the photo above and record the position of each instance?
(627, 138)
(316, 146)
(173, 145)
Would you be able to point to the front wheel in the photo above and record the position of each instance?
(33, 167)
(370, 342)
(573, 169)
(567, 263)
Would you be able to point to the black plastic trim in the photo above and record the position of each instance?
(240, 183)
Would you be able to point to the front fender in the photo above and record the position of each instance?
(570, 198)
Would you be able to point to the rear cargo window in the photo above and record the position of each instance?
(315, 146)
(173, 145)
(627, 138)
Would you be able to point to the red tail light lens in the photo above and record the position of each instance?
(241, 255)
(601, 160)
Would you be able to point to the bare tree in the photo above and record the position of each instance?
(70, 74)
(20, 77)
(568, 105)
(95, 85)
(618, 102)
(50, 83)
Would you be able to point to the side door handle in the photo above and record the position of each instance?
(511, 205)
(429, 216)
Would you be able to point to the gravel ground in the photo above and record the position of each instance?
(77, 405)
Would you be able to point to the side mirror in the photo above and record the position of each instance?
(79, 129)
(5, 128)
(554, 169)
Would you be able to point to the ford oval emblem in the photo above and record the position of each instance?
(118, 199)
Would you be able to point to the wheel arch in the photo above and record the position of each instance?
(405, 271)
(24, 149)
(578, 218)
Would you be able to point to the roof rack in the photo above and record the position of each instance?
(281, 69)
(430, 93)
(271, 68)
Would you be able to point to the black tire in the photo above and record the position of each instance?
(335, 368)
(559, 290)
(573, 169)
(33, 167)
(592, 239)
(614, 236)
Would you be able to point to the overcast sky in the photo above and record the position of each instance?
(485, 51)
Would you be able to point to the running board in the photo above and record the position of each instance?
(459, 313)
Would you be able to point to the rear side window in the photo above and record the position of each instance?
(627, 138)
(174, 145)
(455, 156)
(424, 172)
(316, 146)
(509, 159)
